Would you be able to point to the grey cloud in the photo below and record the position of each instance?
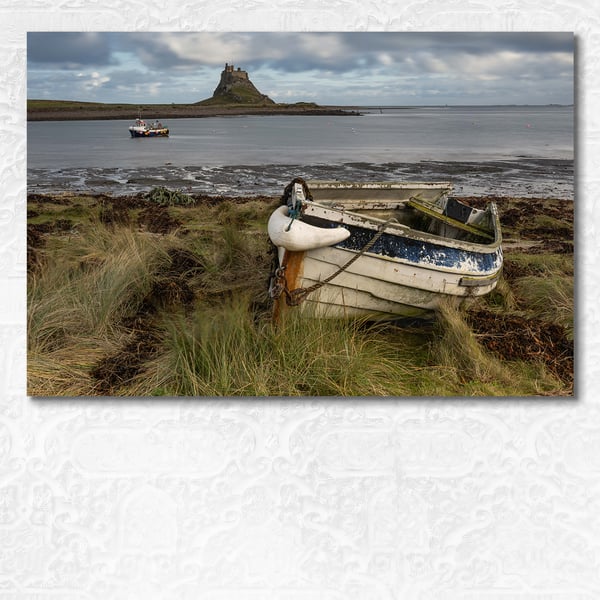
(187, 65)
(292, 52)
(68, 49)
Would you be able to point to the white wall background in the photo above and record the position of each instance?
(297, 499)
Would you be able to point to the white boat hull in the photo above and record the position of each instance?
(146, 132)
(386, 267)
(381, 286)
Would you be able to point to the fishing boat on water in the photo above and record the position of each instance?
(144, 129)
(382, 250)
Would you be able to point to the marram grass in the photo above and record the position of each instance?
(111, 296)
(225, 351)
(469, 369)
(108, 274)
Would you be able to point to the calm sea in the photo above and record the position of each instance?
(525, 151)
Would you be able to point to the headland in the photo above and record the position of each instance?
(235, 95)
(63, 110)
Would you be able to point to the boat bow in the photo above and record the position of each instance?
(295, 235)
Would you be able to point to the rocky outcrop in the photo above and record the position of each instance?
(235, 87)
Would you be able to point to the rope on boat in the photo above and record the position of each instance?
(297, 296)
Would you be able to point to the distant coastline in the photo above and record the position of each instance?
(59, 110)
(66, 110)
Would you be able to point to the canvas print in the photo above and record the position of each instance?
(300, 214)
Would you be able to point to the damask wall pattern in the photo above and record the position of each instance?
(297, 499)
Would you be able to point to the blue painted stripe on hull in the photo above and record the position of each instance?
(420, 252)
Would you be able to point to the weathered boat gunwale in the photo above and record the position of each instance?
(348, 186)
(480, 257)
(321, 214)
(346, 198)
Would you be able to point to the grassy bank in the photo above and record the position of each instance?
(133, 296)
(65, 110)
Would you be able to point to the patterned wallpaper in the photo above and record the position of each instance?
(297, 499)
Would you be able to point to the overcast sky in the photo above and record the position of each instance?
(327, 68)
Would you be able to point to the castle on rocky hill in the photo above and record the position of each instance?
(237, 87)
(230, 73)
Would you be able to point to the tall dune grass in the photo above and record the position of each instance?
(226, 351)
(222, 341)
(550, 298)
(458, 351)
(76, 304)
(104, 281)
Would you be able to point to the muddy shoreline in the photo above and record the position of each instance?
(544, 178)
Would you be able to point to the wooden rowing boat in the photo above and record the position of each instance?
(383, 249)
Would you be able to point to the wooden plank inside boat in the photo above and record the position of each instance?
(431, 211)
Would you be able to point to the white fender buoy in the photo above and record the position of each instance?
(301, 236)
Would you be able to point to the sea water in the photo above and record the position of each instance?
(502, 150)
